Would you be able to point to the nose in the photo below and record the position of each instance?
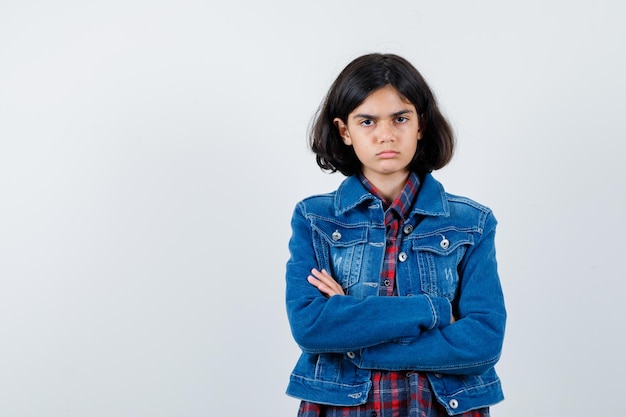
(386, 132)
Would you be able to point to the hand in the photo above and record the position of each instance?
(325, 283)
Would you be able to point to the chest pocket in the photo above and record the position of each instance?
(341, 250)
(438, 255)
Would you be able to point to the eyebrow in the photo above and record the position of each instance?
(369, 116)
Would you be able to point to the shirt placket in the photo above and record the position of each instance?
(388, 277)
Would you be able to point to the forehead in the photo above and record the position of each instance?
(386, 99)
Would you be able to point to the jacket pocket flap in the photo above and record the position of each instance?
(340, 234)
(443, 242)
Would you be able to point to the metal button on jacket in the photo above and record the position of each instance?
(445, 243)
(453, 404)
(351, 355)
(336, 235)
(407, 229)
(402, 256)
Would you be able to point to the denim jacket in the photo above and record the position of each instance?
(446, 266)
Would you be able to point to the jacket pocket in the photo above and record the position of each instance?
(439, 254)
(340, 249)
(459, 394)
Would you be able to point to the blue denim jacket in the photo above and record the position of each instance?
(447, 265)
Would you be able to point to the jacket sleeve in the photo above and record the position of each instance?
(344, 323)
(469, 346)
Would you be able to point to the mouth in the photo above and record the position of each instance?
(387, 154)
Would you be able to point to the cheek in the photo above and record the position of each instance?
(362, 148)
(362, 152)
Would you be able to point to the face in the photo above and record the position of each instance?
(384, 131)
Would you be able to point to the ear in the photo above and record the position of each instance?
(420, 127)
(343, 131)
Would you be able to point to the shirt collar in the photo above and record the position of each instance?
(404, 202)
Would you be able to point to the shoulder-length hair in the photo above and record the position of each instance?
(359, 79)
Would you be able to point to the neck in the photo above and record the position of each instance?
(389, 186)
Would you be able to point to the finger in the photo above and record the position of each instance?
(329, 282)
(314, 281)
(323, 288)
(324, 277)
(325, 283)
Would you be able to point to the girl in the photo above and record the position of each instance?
(393, 293)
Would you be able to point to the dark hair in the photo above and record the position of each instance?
(358, 80)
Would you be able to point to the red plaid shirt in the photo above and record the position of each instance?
(393, 394)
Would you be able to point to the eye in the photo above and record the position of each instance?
(401, 119)
(367, 122)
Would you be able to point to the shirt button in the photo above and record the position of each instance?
(454, 404)
(351, 355)
(408, 229)
(402, 256)
(387, 283)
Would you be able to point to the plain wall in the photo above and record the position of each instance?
(151, 154)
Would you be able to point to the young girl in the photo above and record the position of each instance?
(393, 293)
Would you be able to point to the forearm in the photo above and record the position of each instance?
(344, 323)
(467, 347)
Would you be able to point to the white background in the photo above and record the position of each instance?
(151, 153)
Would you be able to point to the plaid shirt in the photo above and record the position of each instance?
(394, 393)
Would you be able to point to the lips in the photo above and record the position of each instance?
(387, 154)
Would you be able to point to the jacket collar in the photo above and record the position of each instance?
(431, 197)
